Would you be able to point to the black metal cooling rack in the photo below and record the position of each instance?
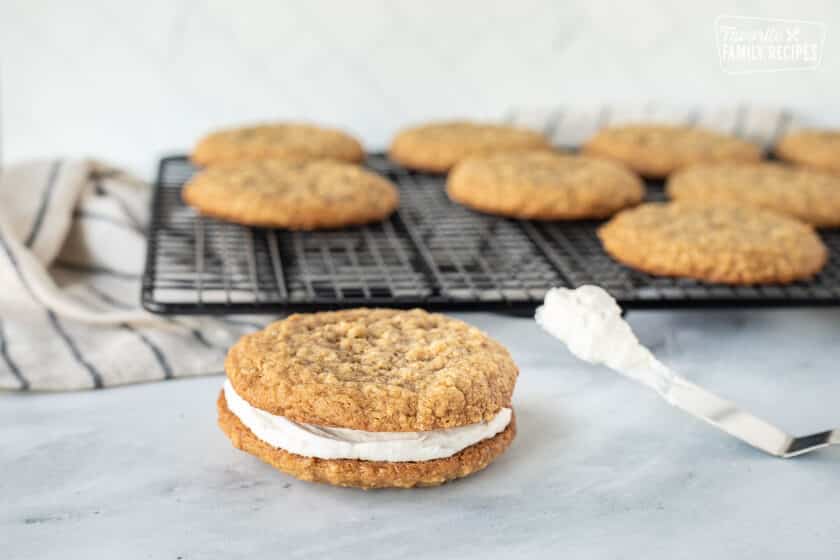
(430, 253)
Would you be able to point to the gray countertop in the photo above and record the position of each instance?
(601, 467)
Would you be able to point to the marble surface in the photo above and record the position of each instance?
(129, 81)
(601, 468)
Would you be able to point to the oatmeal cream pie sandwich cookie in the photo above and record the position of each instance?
(370, 398)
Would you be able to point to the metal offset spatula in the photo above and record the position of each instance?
(588, 320)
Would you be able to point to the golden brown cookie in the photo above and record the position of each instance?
(819, 149)
(810, 196)
(658, 150)
(294, 141)
(379, 370)
(439, 146)
(366, 474)
(543, 185)
(295, 195)
(728, 244)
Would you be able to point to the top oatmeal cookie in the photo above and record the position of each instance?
(377, 370)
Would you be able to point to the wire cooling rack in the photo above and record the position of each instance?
(430, 253)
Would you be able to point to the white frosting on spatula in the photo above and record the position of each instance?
(588, 320)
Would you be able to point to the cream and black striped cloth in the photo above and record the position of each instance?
(72, 249)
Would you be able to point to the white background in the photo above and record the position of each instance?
(129, 81)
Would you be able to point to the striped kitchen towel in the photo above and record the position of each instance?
(72, 247)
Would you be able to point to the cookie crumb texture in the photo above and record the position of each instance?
(805, 194)
(366, 474)
(727, 244)
(293, 141)
(294, 195)
(658, 150)
(543, 186)
(819, 149)
(438, 147)
(379, 370)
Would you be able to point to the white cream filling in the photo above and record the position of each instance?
(343, 443)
